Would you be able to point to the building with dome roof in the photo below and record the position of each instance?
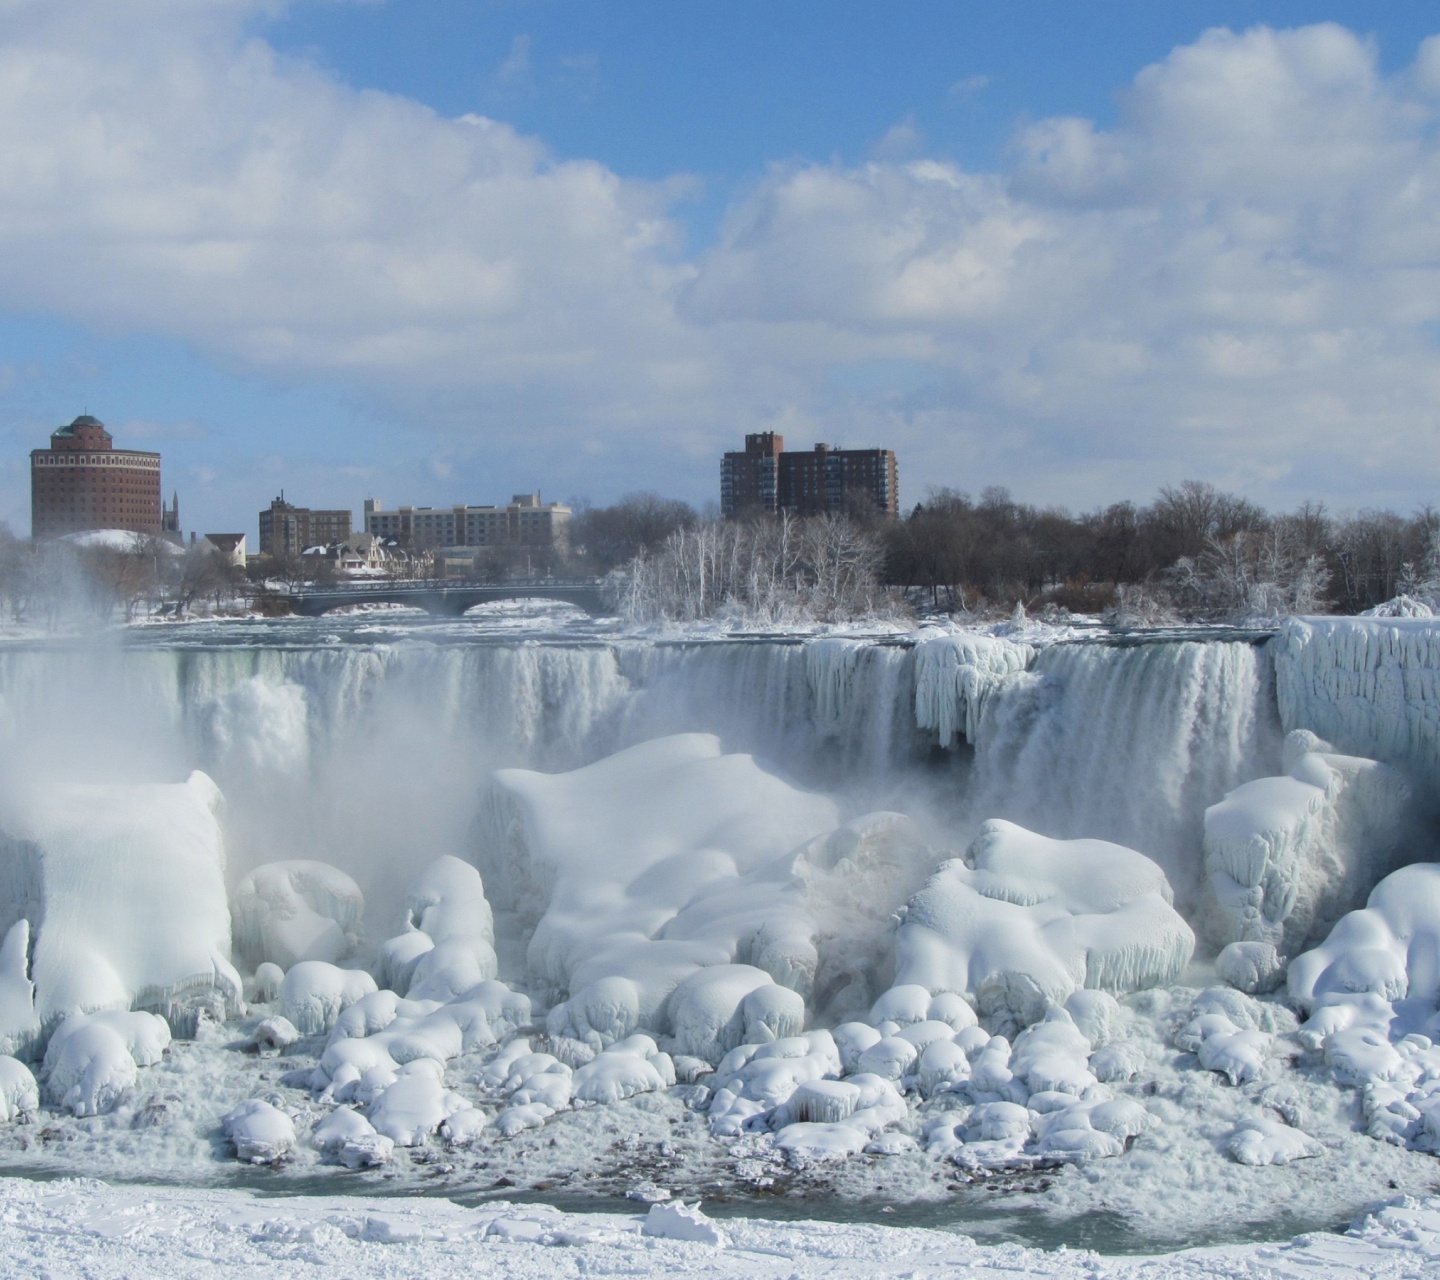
(83, 482)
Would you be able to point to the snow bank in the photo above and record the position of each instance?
(107, 1232)
(1286, 857)
(955, 675)
(1031, 920)
(286, 912)
(121, 891)
(1371, 686)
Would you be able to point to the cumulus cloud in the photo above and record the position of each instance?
(1238, 280)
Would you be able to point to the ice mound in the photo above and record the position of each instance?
(676, 1220)
(1371, 990)
(448, 945)
(617, 848)
(314, 994)
(19, 1094)
(1262, 1141)
(1286, 857)
(118, 895)
(381, 1032)
(1030, 920)
(954, 678)
(1390, 948)
(93, 1059)
(261, 1132)
(286, 912)
(688, 893)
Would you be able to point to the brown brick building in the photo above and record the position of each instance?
(83, 482)
(827, 478)
(286, 529)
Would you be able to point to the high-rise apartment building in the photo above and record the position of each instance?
(83, 482)
(286, 530)
(525, 522)
(767, 478)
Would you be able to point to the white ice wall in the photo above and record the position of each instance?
(1370, 686)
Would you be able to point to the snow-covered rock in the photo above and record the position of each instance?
(93, 1059)
(19, 1094)
(261, 1132)
(1389, 948)
(286, 912)
(315, 993)
(1030, 920)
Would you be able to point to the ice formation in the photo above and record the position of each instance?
(1031, 920)
(93, 1059)
(114, 898)
(286, 912)
(955, 676)
(1286, 857)
(1371, 686)
(680, 890)
(448, 945)
(261, 1132)
(314, 994)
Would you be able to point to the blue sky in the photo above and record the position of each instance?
(437, 251)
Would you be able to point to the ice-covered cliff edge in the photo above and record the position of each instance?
(1370, 686)
(119, 892)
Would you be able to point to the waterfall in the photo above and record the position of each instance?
(1128, 744)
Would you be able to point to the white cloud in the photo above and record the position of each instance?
(1235, 281)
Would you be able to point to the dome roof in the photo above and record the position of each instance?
(84, 420)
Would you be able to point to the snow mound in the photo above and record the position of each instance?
(1390, 948)
(118, 895)
(1031, 920)
(676, 1220)
(1286, 857)
(286, 912)
(19, 1094)
(1260, 1142)
(315, 993)
(93, 1059)
(261, 1132)
(449, 941)
(380, 1032)
(677, 890)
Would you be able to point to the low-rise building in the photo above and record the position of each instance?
(524, 523)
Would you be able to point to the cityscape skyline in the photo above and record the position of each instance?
(1081, 252)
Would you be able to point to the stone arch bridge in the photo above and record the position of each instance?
(445, 599)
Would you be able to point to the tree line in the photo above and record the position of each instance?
(1194, 553)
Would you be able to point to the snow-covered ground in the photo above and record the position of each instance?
(86, 1228)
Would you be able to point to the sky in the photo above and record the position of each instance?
(438, 251)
